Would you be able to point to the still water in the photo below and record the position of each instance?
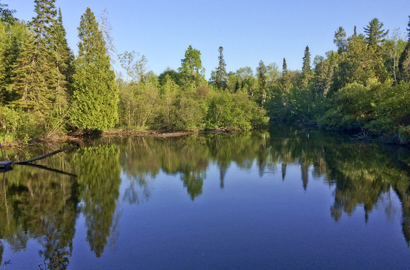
(278, 200)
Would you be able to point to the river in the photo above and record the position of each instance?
(282, 199)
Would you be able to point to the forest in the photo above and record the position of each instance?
(362, 88)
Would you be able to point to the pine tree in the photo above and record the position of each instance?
(354, 31)
(285, 80)
(27, 80)
(321, 70)
(42, 26)
(221, 75)
(340, 40)
(63, 55)
(306, 70)
(36, 78)
(375, 33)
(95, 90)
(6, 15)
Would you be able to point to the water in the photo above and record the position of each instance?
(284, 200)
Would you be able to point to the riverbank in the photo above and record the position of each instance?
(80, 136)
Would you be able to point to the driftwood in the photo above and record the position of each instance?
(44, 156)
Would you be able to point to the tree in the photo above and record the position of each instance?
(6, 15)
(35, 74)
(375, 33)
(260, 96)
(63, 57)
(285, 80)
(96, 93)
(135, 68)
(306, 70)
(272, 74)
(340, 40)
(106, 29)
(404, 61)
(392, 49)
(191, 66)
(221, 75)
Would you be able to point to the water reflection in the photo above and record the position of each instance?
(44, 205)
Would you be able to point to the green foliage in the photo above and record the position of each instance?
(306, 74)
(191, 69)
(99, 178)
(340, 40)
(375, 33)
(6, 15)
(220, 75)
(234, 111)
(45, 91)
(404, 135)
(95, 91)
(378, 108)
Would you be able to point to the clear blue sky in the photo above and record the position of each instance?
(249, 31)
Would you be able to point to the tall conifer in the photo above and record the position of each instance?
(95, 90)
(374, 32)
(285, 80)
(36, 77)
(221, 75)
(340, 40)
(306, 70)
(62, 55)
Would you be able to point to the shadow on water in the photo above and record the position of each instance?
(44, 205)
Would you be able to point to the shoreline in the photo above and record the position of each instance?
(80, 136)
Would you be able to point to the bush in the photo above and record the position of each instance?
(404, 135)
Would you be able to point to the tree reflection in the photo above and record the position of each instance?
(99, 177)
(43, 205)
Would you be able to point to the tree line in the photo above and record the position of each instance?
(45, 90)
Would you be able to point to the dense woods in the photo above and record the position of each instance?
(362, 87)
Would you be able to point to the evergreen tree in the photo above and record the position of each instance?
(321, 70)
(12, 36)
(27, 80)
(37, 79)
(404, 61)
(354, 31)
(221, 75)
(260, 96)
(32, 74)
(42, 26)
(306, 70)
(95, 90)
(375, 33)
(340, 40)
(63, 56)
(330, 74)
(285, 80)
(6, 15)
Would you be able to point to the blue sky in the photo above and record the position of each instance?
(249, 31)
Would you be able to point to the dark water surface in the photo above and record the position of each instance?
(279, 200)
